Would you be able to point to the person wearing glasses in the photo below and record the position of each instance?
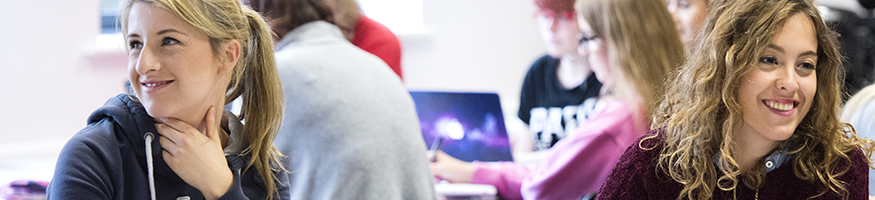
(631, 54)
(689, 17)
(559, 91)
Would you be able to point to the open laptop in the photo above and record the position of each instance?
(471, 124)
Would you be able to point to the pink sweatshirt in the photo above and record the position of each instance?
(576, 166)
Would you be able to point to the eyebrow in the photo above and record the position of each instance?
(779, 49)
(162, 32)
(165, 31)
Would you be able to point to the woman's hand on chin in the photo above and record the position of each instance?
(194, 156)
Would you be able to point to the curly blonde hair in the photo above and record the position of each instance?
(701, 110)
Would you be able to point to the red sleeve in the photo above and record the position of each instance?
(376, 39)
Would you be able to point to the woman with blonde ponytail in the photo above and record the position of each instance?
(171, 139)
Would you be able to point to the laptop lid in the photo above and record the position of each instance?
(471, 124)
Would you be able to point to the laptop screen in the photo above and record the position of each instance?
(471, 124)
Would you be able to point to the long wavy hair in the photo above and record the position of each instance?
(254, 77)
(701, 111)
(644, 47)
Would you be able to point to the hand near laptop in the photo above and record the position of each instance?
(451, 169)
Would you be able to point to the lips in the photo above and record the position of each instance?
(151, 86)
(781, 107)
(155, 84)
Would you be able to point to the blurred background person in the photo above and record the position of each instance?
(854, 21)
(559, 91)
(859, 111)
(367, 34)
(350, 128)
(689, 17)
(631, 54)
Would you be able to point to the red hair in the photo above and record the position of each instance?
(557, 6)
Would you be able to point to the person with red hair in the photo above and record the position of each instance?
(631, 54)
(559, 91)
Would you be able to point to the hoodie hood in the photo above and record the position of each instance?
(133, 120)
(108, 159)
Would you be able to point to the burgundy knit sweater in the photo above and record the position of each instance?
(636, 177)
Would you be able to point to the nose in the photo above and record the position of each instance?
(146, 62)
(554, 24)
(787, 80)
(674, 16)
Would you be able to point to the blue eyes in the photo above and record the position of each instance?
(135, 44)
(167, 41)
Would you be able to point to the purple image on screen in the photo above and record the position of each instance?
(471, 124)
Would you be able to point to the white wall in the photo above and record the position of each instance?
(47, 88)
(474, 45)
(50, 82)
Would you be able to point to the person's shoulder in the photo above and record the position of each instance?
(96, 137)
(636, 171)
(541, 66)
(653, 139)
(107, 125)
(544, 62)
(617, 109)
(369, 31)
(645, 151)
(854, 173)
(857, 158)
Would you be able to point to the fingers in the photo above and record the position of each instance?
(170, 139)
(168, 135)
(174, 124)
(441, 156)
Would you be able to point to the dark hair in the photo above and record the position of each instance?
(286, 15)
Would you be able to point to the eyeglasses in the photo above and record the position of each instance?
(583, 39)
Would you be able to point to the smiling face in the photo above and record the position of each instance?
(559, 31)
(689, 17)
(172, 67)
(777, 94)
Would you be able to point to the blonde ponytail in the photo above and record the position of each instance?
(254, 77)
(262, 97)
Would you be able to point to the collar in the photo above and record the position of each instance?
(232, 125)
(315, 31)
(772, 162)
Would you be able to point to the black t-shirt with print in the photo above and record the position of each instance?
(553, 112)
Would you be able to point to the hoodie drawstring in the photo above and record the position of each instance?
(149, 136)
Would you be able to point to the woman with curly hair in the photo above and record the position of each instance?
(752, 114)
(631, 54)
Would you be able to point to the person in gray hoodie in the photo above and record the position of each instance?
(350, 128)
(187, 59)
